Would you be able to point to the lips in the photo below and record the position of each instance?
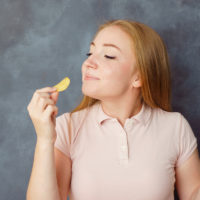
(91, 77)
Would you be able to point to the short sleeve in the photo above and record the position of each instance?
(187, 141)
(62, 130)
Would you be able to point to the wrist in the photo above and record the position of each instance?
(45, 141)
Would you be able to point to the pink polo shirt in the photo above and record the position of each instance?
(136, 162)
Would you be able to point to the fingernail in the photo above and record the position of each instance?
(54, 89)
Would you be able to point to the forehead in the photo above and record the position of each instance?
(114, 35)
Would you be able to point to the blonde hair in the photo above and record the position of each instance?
(151, 61)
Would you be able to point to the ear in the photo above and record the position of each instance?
(137, 80)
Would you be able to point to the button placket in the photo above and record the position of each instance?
(123, 147)
(128, 125)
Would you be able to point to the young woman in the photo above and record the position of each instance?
(123, 141)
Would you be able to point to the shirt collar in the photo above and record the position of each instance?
(141, 117)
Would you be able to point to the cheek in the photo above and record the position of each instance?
(127, 72)
(116, 78)
(127, 68)
(83, 69)
(121, 72)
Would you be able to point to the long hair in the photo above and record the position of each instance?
(151, 61)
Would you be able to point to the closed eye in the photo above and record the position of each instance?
(106, 56)
(109, 57)
(88, 54)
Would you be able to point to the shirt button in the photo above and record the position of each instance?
(123, 153)
(128, 126)
(124, 148)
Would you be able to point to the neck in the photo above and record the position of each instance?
(121, 110)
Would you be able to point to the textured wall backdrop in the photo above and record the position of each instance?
(43, 41)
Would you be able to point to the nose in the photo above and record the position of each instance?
(91, 62)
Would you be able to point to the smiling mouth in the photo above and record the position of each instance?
(88, 77)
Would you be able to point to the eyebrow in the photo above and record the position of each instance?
(108, 45)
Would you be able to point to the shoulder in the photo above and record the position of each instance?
(166, 115)
(76, 119)
(167, 119)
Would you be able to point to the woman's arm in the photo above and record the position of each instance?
(43, 183)
(196, 194)
(188, 178)
(63, 173)
(42, 110)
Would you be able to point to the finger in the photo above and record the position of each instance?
(47, 89)
(44, 102)
(38, 92)
(48, 113)
(44, 94)
(35, 98)
(54, 96)
(55, 112)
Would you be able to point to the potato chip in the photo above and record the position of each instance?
(62, 85)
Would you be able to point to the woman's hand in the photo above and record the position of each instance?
(42, 110)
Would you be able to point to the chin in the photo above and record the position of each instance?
(92, 94)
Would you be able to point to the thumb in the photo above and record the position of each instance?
(54, 96)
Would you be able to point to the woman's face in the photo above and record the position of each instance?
(112, 61)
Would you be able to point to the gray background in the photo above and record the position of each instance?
(41, 42)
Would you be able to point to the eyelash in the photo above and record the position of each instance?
(109, 57)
